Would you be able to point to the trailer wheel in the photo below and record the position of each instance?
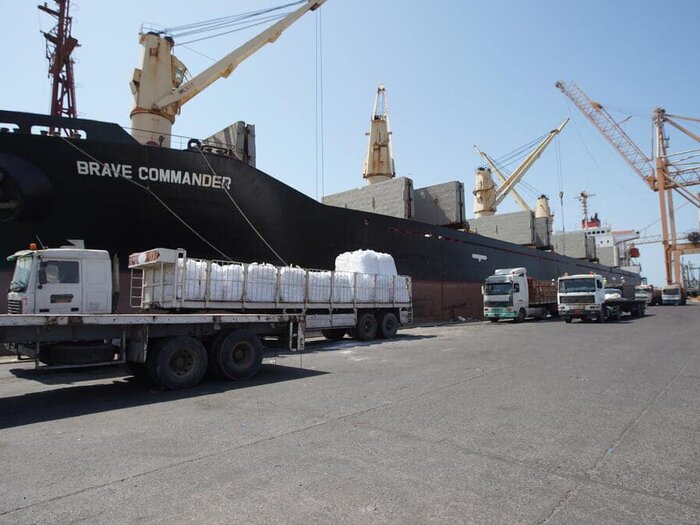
(239, 355)
(366, 328)
(388, 325)
(334, 334)
(177, 362)
(213, 367)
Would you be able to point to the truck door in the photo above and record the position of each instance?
(519, 296)
(59, 289)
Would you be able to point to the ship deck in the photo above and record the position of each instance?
(533, 422)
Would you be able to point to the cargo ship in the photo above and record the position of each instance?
(89, 183)
(109, 191)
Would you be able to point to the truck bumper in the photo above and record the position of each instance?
(499, 313)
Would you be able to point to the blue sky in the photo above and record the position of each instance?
(464, 73)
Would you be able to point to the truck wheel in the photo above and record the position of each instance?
(239, 355)
(618, 315)
(177, 362)
(642, 310)
(366, 328)
(567, 319)
(601, 316)
(213, 367)
(521, 316)
(493, 319)
(334, 334)
(388, 325)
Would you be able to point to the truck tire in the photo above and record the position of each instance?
(213, 368)
(494, 319)
(240, 355)
(177, 362)
(366, 327)
(521, 316)
(388, 325)
(600, 318)
(67, 354)
(567, 319)
(334, 334)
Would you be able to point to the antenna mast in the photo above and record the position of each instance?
(59, 47)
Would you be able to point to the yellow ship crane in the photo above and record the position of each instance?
(666, 173)
(159, 85)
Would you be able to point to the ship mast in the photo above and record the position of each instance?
(60, 45)
(379, 161)
(159, 86)
(583, 198)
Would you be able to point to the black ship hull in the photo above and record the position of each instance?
(115, 194)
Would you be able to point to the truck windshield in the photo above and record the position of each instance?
(577, 285)
(497, 288)
(20, 279)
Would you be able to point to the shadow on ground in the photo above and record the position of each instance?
(123, 392)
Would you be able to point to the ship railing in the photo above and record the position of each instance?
(183, 142)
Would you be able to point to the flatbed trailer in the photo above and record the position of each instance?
(174, 350)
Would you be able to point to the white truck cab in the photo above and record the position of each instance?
(509, 294)
(60, 281)
(581, 296)
(644, 292)
(672, 294)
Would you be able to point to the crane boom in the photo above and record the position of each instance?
(526, 164)
(224, 67)
(160, 90)
(516, 196)
(487, 197)
(611, 130)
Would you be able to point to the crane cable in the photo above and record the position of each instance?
(260, 235)
(155, 196)
(320, 161)
(233, 23)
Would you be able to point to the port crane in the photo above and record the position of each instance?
(666, 173)
(487, 196)
(159, 85)
(379, 161)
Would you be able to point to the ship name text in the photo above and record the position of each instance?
(150, 174)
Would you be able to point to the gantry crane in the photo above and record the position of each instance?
(487, 196)
(665, 173)
(159, 86)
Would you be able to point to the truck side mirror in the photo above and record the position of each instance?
(42, 277)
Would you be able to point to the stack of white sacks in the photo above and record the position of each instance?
(365, 275)
(376, 278)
